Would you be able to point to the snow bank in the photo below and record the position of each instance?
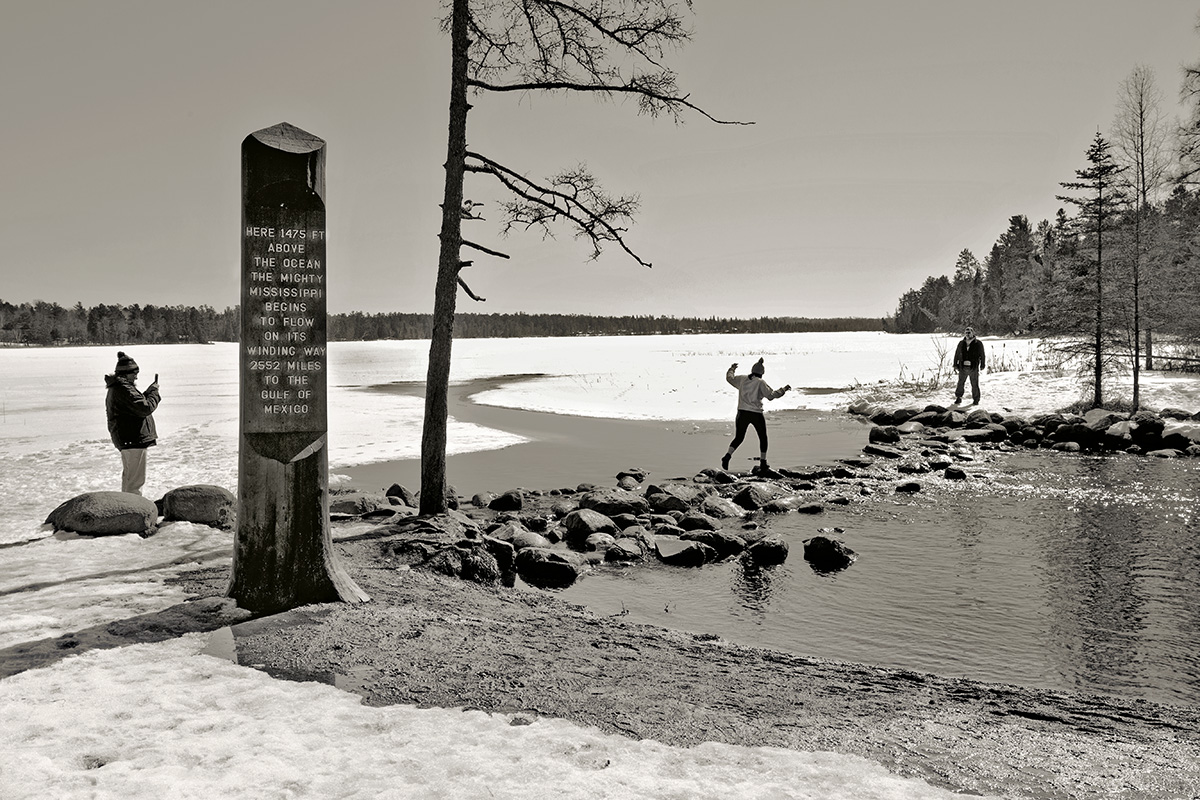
(163, 720)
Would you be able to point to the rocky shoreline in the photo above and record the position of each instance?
(550, 538)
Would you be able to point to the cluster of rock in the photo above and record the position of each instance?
(117, 513)
(550, 539)
(1170, 433)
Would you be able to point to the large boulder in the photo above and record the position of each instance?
(615, 501)
(754, 496)
(548, 569)
(726, 544)
(768, 551)
(583, 522)
(201, 503)
(638, 533)
(1180, 435)
(1100, 419)
(469, 560)
(721, 507)
(883, 434)
(407, 497)
(1077, 432)
(526, 538)
(1149, 425)
(828, 555)
(512, 500)
(356, 503)
(625, 549)
(716, 476)
(680, 553)
(697, 521)
(675, 496)
(105, 513)
(882, 450)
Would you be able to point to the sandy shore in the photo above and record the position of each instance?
(434, 641)
(567, 450)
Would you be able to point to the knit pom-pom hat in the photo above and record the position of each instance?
(125, 364)
(758, 369)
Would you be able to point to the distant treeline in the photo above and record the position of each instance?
(49, 323)
(1042, 280)
(506, 326)
(43, 323)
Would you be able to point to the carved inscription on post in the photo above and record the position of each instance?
(285, 307)
(283, 347)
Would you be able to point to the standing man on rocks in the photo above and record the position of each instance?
(131, 421)
(968, 361)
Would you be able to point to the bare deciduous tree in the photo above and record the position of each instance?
(1140, 138)
(607, 48)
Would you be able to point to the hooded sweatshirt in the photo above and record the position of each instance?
(752, 390)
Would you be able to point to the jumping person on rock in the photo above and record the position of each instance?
(752, 390)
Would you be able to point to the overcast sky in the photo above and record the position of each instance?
(889, 136)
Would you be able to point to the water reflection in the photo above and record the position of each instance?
(1051, 571)
(752, 585)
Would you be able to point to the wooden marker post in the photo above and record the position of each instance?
(283, 556)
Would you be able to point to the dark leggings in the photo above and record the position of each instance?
(744, 420)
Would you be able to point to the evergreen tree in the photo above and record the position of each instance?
(1100, 204)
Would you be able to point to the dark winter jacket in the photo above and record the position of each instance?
(972, 353)
(130, 423)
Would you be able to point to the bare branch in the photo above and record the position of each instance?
(573, 196)
(652, 100)
(483, 249)
(471, 294)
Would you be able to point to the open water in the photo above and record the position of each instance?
(1052, 571)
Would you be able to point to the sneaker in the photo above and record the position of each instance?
(958, 401)
(725, 461)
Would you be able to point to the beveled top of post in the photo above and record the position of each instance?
(289, 138)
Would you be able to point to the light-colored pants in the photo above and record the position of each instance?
(133, 470)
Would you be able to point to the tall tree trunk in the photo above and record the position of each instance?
(1098, 394)
(1137, 319)
(437, 380)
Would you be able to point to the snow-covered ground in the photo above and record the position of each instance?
(167, 720)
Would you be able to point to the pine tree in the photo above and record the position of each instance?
(1099, 206)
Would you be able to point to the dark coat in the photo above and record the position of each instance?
(972, 353)
(130, 423)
